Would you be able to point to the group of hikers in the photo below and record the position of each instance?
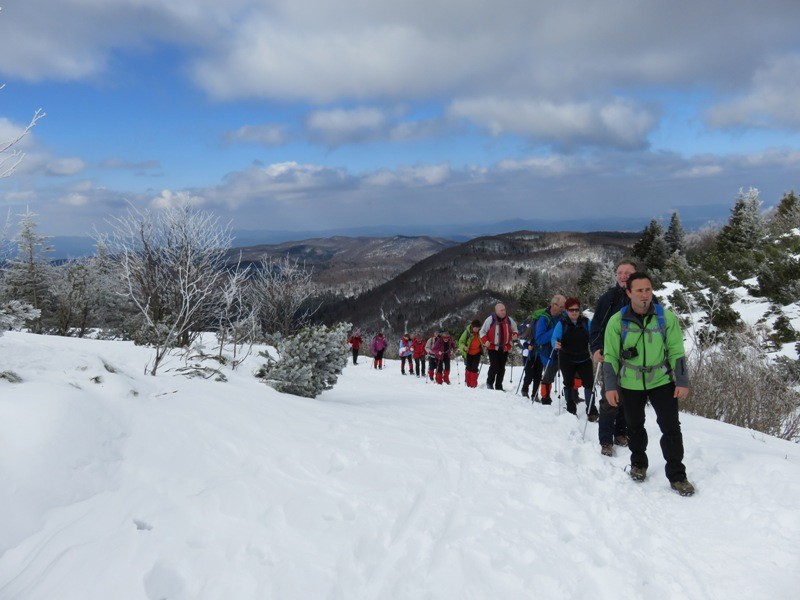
(632, 350)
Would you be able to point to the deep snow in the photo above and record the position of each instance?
(135, 487)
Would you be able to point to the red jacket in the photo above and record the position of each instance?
(355, 341)
(419, 347)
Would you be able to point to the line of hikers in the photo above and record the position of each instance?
(632, 348)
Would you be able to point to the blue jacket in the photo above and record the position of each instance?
(544, 335)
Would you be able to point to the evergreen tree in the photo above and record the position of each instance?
(309, 362)
(27, 276)
(787, 215)
(740, 242)
(674, 237)
(651, 249)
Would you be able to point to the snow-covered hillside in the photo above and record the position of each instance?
(115, 485)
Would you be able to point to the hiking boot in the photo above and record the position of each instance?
(593, 417)
(499, 387)
(684, 488)
(607, 450)
(547, 400)
(638, 473)
(621, 440)
(525, 392)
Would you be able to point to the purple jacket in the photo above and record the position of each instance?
(378, 344)
(443, 347)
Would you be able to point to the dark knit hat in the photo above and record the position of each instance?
(475, 323)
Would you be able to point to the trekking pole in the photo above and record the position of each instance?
(590, 400)
(458, 370)
(559, 388)
(524, 368)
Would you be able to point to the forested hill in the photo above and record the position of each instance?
(348, 266)
(460, 283)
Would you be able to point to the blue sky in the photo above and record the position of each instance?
(318, 115)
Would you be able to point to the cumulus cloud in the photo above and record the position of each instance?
(619, 122)
(337, 126)
(170, 198)
(772, 101)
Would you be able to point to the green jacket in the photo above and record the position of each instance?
(465, 340)
(660, 358)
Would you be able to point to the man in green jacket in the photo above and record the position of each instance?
(645, 360)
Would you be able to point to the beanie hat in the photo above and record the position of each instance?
(475, 323)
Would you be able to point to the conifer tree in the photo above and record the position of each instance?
(674, 236)
(740, 242)
(309, 362)
(27, 276)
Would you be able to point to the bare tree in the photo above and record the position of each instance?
(238, 316)
(172, 264)
(282, 287)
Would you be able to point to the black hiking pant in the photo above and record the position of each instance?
(472, 362)
(355, 356)
(420, 364)
(497, 369)
(584, 371)
(403, 360)
(612, 418)
(666, 408)
(533, 373)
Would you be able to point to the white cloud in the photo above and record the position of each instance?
(267, 135)
(169, 198)
(697, 171)
(116, 163)
(772, 101)
(337, 126)
(619, 122)
(63, 167)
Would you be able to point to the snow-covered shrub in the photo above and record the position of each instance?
(738, 383)
(308, 362)
(14, 314)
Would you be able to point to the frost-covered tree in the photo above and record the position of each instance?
(282, 287)
(309, 362)
(740, 242)
(787, 215)
(14, 314)
(237, 314)
(10, 154)
(27, 276)
(172, 265)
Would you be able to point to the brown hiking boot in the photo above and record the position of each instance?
(593, 417)
(621, 440)
(638, 473)
(607, 450)
(684, 488)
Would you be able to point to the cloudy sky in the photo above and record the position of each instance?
(324, 114)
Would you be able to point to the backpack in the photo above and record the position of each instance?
(662, 329)
(531, 322)
(662, 323)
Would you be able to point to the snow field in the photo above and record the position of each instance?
(134, 487)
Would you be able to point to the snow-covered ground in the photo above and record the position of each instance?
(115, 485)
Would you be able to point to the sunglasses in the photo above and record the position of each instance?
(573, 310)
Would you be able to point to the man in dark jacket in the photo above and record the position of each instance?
(612, 427)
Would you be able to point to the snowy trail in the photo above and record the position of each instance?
(385, 487)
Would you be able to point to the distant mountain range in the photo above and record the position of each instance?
(462, 282)
(348, 266)
(692, 217)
